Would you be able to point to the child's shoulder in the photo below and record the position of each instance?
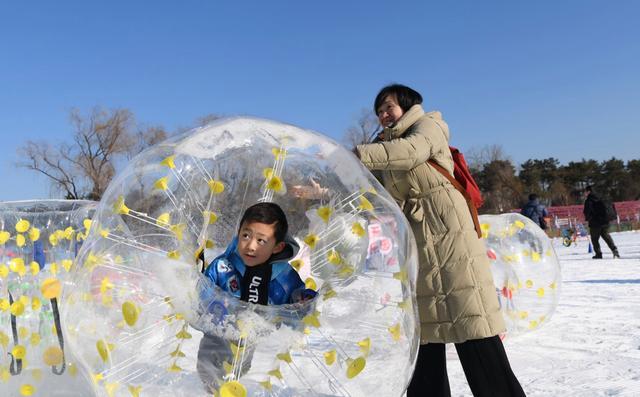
(222, 264)
(285, 273)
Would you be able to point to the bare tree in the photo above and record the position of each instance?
(84, 168)
(364, 130)
(477, 158)
(146, 137)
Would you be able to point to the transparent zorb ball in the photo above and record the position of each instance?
(38, 243)
(140, 296)
(525, 269)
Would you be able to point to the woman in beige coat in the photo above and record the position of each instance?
(457, 299)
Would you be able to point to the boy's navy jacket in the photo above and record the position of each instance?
(285, 286)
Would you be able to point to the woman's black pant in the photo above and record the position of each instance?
(485, 365)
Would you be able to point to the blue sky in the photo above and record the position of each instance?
(543, 79)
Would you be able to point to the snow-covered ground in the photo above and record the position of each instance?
(591, 345)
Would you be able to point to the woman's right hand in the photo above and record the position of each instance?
(312, 191)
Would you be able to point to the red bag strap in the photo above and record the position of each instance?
(472, 208)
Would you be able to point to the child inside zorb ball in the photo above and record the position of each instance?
(254, 268)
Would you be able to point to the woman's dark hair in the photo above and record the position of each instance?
(270, 214)
(406, 97)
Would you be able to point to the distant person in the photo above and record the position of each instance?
(535, 211)
(595, 212)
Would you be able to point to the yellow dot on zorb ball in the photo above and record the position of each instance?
(22, 226)
(311, 240)
(34, 267)
(23, 332)
(66, 264)
(27, 390)
(216, 187)
(297, 264)
(275, 183)
(365, 205)
(169, 162)
(68, 233)
(310, 284)
(164, 219)
(268, 173)
(162, 183)
(233, 389)
(104, 349)
(540, 292)
(34, 234)
(52, 356)
(17, 308)
(211, 217)
(355, 367)
(330, 357)
(278, 153)
(357, 229)
(324, 213)
(35, 303)
(17, 265)
(130, 313)
(4, 236)
(50, 288)
(19, 352)
(34, 339)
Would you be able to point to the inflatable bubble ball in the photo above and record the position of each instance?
(145, 321)
(525, 269)
(38, 244)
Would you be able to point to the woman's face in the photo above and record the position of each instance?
(389, 112)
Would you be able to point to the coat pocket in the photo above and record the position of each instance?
(413, 210)
(422, 211)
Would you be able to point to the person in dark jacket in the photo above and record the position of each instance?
(535, 211)
(595, 213)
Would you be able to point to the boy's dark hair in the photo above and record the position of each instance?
(270, 214)
(588, 188)
(406, 97)
(533, 196)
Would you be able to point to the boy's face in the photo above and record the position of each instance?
(257, 242)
